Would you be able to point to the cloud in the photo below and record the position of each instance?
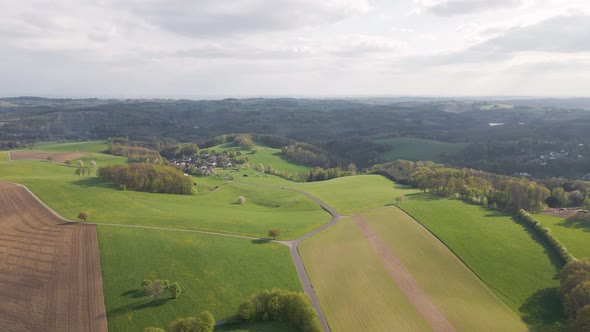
(460, 7)
(360, 45)
(216, 18)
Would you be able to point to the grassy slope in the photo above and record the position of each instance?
(91, 147)
(502, 252)
(418, 149)
(212, 209)
(354, 289)
(464, 300)
(216, 274)
(267, 156)
(355, 193)
(575, 236)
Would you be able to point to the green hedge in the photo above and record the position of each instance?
(545, 232)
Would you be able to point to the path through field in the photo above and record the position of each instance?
(404, 280)
(50, 278)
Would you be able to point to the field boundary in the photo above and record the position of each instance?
(458, 257)
(404, 279)
(9, 158)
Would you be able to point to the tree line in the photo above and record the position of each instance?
(147, 177)
(575, 294)
(134, 153)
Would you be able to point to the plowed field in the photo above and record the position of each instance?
(49, 269)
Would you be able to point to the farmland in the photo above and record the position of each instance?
(418, 149)
(511, 260)
(356, 193)
(216, 273)
(50, 270)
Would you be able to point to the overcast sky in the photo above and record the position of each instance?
(239, 48)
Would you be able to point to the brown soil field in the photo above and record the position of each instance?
(50, 277)
(57, 157)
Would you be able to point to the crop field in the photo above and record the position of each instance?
(418, 149)
(216, 273)
(510, 259)
(461, 297)
(575, 236)
(354, 194)
(214, 208)
(49, 270)
(35, 155)
(354, 289)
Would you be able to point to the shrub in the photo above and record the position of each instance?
(83, 215)
(175, 290)
(241, 200)
(122, 187)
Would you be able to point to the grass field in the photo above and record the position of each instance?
(509, 258)
(354, 194)
(354, 289)
(461, 297)
(212, 209)
(575, 236)
(267, 156)
(3, 156)
(215, 273)
(90, 147)
(418, 149)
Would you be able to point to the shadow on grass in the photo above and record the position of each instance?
(543, 311)
(92, 181)
(134, 293)
(261, 241)
(147, 302)
(583, 225)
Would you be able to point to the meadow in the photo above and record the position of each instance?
(508, 257)
(461, 297)
(216, 273)
(89, 147)
(418, 149)
(575, 236)
(353, 194)
(354, 289)
(214, 208)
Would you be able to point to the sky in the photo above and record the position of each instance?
(315, 48)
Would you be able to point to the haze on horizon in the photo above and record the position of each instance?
(182, 48)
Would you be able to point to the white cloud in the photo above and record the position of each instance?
(459, 7)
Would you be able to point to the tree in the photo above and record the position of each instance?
(576, 197)
(241, 200)
(92, 166)
(559, 197)
(80, 163)
(175, 290)
(183, 325)
(586, 203)
(399, 199)
(274, 233)
(582, 321)
(155, 288)
(205, 322)
(576, 299)
(83, 215)
(247, 310)
(244, 142)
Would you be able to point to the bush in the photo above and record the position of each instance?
(545, 233)
(204, 322)
(83, 215)
(122, 187)
(175, 290)
(241, 200)
(281, 305)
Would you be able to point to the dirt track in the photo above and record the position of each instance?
(57, 157)
(50, 277)
(404, 280)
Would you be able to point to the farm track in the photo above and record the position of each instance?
(404, 280)
(50, 277)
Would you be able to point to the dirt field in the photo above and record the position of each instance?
(57, 157)
(404, 280)
(50, 277)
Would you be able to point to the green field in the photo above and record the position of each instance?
(508, 257)
(214, 208)
(354, 289)
(461, 297)
(3, 156)
(575, 236)
(354, 194)
(267, 156)
(90, 147)
(418, 149)
(216, 273)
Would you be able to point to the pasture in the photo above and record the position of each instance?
(216, 273)
(353, 194)
(510, 259)
(416, 149)
(574, 235)
(214, 208)
(460, 296)
(354, 289)
(88, 147)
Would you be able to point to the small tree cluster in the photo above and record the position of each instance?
(204, 322)
(545, 233)
(156, 287)
(575, 294)
(244, 142)
(148, 177)
(281, 305)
